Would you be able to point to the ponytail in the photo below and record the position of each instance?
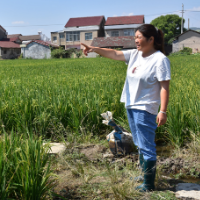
(149, 30)
(159, 41)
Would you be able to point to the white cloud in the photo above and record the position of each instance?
(127, 14)
(18, 22)
(195, 9)
(124, 14)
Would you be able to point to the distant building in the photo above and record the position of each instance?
(79, 30)
(189, 39)
(28, 38)
(31, 46)
(9, 47)
(37, 49)
(123, 26)
(119, 32)
(3, 33)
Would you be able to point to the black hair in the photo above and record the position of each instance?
(149, 30)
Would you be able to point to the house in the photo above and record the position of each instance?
(79, 30)
(9, 47)
(37, 49)
(3, 33)
(28, 38)
(14, 35)
(123, 26)
(189, 38)
(119, 32)
(32, 46)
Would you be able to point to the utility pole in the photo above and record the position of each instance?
(188, 23)
(182, 18)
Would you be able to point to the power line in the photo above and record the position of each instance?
(163, 13)
(191, 11)
(36, 25)
(144, 15)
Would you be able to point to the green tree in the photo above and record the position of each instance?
(170, 25)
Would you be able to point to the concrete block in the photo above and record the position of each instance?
(56, 148)
(188, 190)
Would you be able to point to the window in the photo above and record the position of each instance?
(129, 32)
(18, 51)
(114, 33)
(73, 36)
(88, 36)
(62, 35)
(5, 51)
(54, 38)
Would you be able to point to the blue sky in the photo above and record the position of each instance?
(28, 16)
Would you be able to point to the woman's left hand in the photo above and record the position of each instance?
(161, 119)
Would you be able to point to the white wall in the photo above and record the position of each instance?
(36, 51)
(189, 39)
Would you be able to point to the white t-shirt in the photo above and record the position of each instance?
(142, 88)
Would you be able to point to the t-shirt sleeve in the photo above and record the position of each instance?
(127, 55)
(163, 72)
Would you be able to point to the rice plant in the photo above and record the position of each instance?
(74, 92)
(25, 168)
(35, 92)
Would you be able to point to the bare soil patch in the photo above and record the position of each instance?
(75, 184)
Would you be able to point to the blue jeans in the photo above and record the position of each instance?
(143, 126)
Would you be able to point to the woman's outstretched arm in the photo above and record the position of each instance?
(108, 53)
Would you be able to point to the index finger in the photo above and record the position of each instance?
(84, 45)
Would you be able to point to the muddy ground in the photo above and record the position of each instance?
(171, 170)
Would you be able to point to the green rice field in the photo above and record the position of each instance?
(37, 95)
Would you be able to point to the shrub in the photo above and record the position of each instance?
(186, 50)
(178, 53)
(69, 52)
(183, 52)
(58, 53)
(61, 53)
(78, 53)
(21, 56)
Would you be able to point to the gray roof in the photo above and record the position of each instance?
(30, 37)
(121, 41)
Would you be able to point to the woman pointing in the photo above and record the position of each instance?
(146, 88)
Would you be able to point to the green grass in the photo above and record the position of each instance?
(24, 168)
(65, 97)
(43, 95)
(184, 105)
(37, 93)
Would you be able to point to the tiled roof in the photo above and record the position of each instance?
(8, 44)
(43, 43)
(3, 28)
(121, 41)
(14, 36)
(186, 32)
(13, 39)
(137, 19)
(84, 21)
(30, 37)
(78, 46)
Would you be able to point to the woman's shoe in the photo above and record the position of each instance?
(149, 176)
(141, 161)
